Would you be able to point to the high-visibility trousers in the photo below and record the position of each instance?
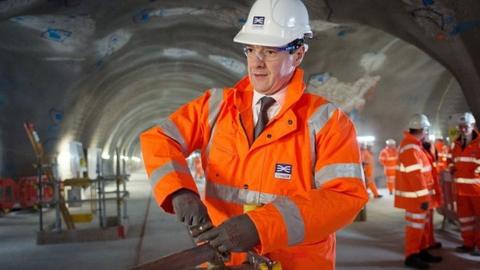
(416, 234)
(390, 184)
(429, 229)
(468, 211)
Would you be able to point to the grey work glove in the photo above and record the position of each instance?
(424, 206)
(189, 208)
(237, 234)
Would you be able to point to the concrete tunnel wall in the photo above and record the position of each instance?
(123, 67)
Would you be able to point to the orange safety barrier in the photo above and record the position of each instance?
(9, 194)
(29, 191)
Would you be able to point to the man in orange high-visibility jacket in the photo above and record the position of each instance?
(369, 168)
(413, 192)
(388, 158)
(288, 156)
(442, 154)
(466, 176)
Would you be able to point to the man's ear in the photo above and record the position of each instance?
(299, 54)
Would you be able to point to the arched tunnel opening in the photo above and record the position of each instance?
(93, 76)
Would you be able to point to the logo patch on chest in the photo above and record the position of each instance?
(283, 171)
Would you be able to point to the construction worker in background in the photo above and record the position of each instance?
(388, 158)
(282, 166)
(436, 195)
(368, 164)
(413, 192)
(466, 176)
(442, 154)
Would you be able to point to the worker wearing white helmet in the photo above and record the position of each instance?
(466, 176)
(282, 166)
(388, 158)
(414, 187)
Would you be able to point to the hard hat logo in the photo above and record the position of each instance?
(275, 23)
(258, 20)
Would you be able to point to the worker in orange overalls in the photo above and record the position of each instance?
(388, 158)
(282, 166)
(369, 168)
(466, 176)
(413, 192)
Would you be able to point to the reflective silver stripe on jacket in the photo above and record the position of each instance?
(410, 146)
(292, 218)
(414, 167)
(466, 228)
(169, 167)
(340, 170)
(461, 180)
(315, 124)
(289, 211)
(214, 104)
(172, 131)
(416, 225)
(467, 159)
(412, 194)
(466, 219)
(415, 215)
(237, 195)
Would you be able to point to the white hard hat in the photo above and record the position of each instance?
(466, 119)
(390, 142)
(419, 121)
(275, 23)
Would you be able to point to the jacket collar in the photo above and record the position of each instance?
(243, 94)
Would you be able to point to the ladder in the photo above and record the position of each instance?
(45, 166)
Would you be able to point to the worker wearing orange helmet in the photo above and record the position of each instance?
(413, 192)
(282, 166)
(388, 158)
(466, 176)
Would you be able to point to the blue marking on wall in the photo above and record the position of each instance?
(143, 16)
(464, 27)
(56, 115)
(428, 2)
(57, 35)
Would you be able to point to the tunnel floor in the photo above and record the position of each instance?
(374, 244)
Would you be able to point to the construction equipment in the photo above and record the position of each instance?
(44, 166)
(190, 259)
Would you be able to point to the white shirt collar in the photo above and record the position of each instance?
(279, 97)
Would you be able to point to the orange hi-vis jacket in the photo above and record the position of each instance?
(414, 180)
(437, 196)
(304, 168)
(368, 164)
(443, 155)
(388, 157)
(467, 162)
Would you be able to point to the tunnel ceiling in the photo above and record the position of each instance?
(100, 72)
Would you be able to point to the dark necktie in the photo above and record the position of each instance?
(266, 102)
(464, 142)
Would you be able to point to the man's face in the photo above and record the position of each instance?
(270, 70)
(424, 135)
(465, 129)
